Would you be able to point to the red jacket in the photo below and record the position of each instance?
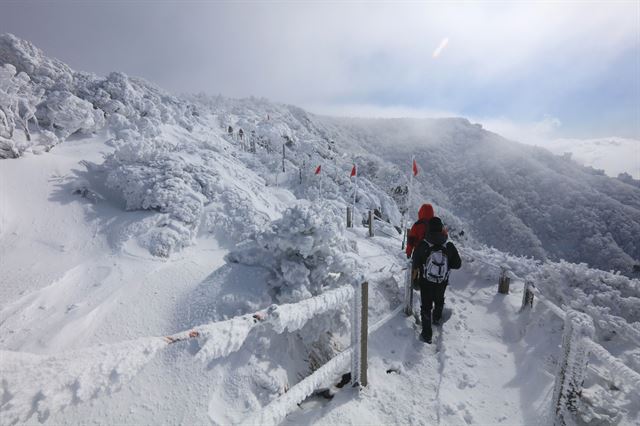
(419, 229)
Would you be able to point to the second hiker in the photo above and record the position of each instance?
(433, 259)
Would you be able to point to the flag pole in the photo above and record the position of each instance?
(413, 159)
(355, 192)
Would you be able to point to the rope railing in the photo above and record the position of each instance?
(616, 367)
(217, 340)
(577, 345)
(277, 410)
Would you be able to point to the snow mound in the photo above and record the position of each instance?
(44, 384)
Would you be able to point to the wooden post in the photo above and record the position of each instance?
(408, 292)
(404, 237)
(370, 223)
(355, 335)
(572, 367)
(503, 282)
(364, 332)
(349, 221)
(359, 334)
(527, 296)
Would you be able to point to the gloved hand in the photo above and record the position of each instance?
(414, 280)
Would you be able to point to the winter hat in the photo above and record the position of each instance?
(425, 212)
(435, 234)
(435, 225)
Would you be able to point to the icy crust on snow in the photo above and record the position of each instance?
(43, 384)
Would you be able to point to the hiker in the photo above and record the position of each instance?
(433, 259)
(419, 229)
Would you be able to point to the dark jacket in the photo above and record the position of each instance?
(435, 238)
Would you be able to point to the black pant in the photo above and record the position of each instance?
(431, 296)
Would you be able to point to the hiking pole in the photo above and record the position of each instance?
(408, 291)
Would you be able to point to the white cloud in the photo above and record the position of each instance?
(355, 53)
(537, 132)
(377, 111)
(533, 133)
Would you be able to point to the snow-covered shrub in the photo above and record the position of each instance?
(25, 57)
(67, 114)
(307, 253)
(35, 86)
(304, 250)
(18, 101)
(151, 177)
(193, 186)
(612, 300)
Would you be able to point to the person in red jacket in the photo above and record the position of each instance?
(419, 229)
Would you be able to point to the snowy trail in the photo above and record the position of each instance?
(471, 374)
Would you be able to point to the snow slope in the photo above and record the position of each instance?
(517, 198)
(154, 220)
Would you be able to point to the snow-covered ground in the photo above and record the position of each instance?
(74, 291)
(138, 236)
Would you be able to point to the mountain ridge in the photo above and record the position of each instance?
(500, 192)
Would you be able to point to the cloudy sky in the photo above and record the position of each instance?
(528, 69)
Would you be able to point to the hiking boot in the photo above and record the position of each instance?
(426, 334)
(425, 338)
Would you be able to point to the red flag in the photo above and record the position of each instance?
(415, 168)
(353, 171)
(318, 169)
